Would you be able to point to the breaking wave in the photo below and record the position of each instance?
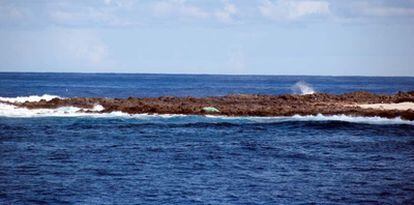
(32, 98)
(320, 117)
(12, 111)
(8, 110)
(303, 88)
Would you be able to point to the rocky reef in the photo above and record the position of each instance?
(243, 105)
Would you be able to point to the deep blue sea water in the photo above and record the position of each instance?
(201, 160)
(154, 85)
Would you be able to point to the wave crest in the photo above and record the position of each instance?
(303, 88)
(31, 98)
(7, 110)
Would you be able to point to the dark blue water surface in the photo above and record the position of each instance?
(200, 160)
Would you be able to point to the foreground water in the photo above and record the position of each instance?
(58, 158)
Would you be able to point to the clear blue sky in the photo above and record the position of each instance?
(302, 37)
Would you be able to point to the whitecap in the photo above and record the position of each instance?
(7, 110)
(319, 117)
(303, 88)
(32, 98)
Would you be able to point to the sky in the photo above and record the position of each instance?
(269, 37)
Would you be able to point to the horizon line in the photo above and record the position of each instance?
(225, 74)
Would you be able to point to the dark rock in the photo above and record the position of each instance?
(243, 105)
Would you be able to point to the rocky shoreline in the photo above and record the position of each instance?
(242, 105)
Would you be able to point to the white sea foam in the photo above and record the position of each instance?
(303, 88)
(32, 98)
(319, 117)
(353, 119)
(97, 108)
(13, 111)
(7, 110)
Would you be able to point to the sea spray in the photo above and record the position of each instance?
(303, 88)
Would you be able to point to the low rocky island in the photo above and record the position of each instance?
(352, 104)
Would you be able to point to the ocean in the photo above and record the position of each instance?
(63, 157)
